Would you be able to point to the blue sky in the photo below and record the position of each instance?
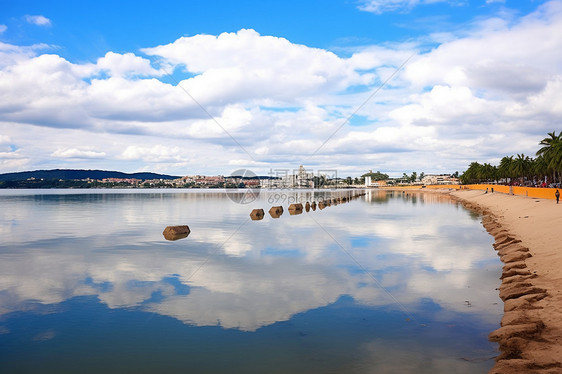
(212, 86)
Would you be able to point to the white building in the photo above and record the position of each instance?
(439, 179)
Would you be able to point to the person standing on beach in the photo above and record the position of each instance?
(557, 194)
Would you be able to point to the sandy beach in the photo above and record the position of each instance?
(527, 238)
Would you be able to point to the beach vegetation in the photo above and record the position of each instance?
(551, 151)
(522, 169)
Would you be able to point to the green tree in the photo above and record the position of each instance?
(472, 174)
(377, 176)
(505, 170)
(551, 150)
(540, 168)
(522, 166)
(488, 172)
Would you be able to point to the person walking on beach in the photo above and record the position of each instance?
(557, 194)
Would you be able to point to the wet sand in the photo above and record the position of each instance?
(527, 234)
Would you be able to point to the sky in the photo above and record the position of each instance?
(209, 87)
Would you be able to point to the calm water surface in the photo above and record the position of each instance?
(387, 283)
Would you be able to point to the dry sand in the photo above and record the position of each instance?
(527, 233)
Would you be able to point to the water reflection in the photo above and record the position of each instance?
(267, 278)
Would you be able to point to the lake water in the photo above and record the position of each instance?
(386, 283)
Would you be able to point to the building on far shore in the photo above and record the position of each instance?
(283, 178)
(439, 179)
(370, 183)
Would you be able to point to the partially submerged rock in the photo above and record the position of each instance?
(276, 211)
(295, 209)
(176, 232)
(257, 214)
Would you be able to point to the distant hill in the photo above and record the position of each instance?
(69, 174)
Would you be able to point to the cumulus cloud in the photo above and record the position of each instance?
(246, 65)
(126, 64)
(281, 101)
(505, 57)
(12, 54)
(38, 20)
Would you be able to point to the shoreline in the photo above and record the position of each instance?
(526, 232)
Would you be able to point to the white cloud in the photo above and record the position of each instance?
(4, 139)
(38, 20)
(382, 6)
(13, 54)
(11, 158)
(3, 28)
(281, 101)
(501, 57)
(126, 64)
(159, 153)
(77, 153)
(245, 65)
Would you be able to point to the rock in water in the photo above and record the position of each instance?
(176, 232)
(276, 211)
(297, 206)
(257, 214)
(295, 209)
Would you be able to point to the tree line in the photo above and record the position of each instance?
(547, 165)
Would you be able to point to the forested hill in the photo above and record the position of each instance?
(70, 174)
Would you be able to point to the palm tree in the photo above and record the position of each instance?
(551, 150)
(414, 177)
(489, 172)
(522, 166)
(540, 168)
(505, 169)
(472, 174)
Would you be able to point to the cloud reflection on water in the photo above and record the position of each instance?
(58, 247)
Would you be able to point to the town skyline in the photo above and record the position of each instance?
(287, 179)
